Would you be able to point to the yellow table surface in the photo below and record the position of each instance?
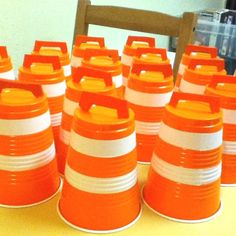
(44, 220)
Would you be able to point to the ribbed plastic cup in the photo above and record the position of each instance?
(184, 177)
(101, 192)
(199, 74)
(132, 43)
(82, 42)
(225, 88)
(53, 48)
(84, 79)
(47, 71)
(107, 60)
(191, 52)
(149, 89)
(28, 168)
(6, 68)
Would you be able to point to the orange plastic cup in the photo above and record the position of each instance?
(101, 192)
(6, 69)
(84, 79)
(28, 168)
(224, 87)
(191, 52)
(106, 60)
(52, 48)
(199, 74)
(132, 43)
(184, 177)
(47, 71)
(149, 89)
(83, 42)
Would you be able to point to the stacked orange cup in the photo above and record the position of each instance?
(191, 52)
(28, 169)
(199, 74)
(225, 88)
(6, 69)
(101, 192)
(84, 79)
(47, 71)
(106, 60)
(82, 42)
(149, 89)
(51, 48)
(184, 177)
(133, 42)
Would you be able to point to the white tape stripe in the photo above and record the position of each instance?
(64, 136)
(27, 162)
(56, 119)
(125, 81)
(25, 126)
(100, 185)
(179, 174)
(229, 116)
(126, 60)
(8, 75)
(190, 140)
(54, 90)
(76, 61)
(147, 128)
(182, 68)
(117, 80)
(69, 106)
(147, 99)
(102, 148)
(187, 87)
(67, 70)
(229, 147)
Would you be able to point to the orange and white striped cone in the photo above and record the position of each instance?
(184, 177)
(84, 79)
(81, 43)
(52, 48)
(147, 94)
(191, 52)
(225, 88)
(132, 43)
(47, 71)
(106, 60)
(199, 74)
(101, 192)
(6, 68)
(28, 168)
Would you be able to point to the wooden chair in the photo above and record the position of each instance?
(126, 18)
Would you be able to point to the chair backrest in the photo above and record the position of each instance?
(126, 18)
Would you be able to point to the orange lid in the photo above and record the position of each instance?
(21, 100)
(5, 60)
(41, 69)
(103, 59)
(108, 119)
(83, 41)
(134, 42)
(90, 80)
(193, 112)
(200, 71)
(223, 86)
(151, 55)
(151, 78)
(52, 48)
(198, 51)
